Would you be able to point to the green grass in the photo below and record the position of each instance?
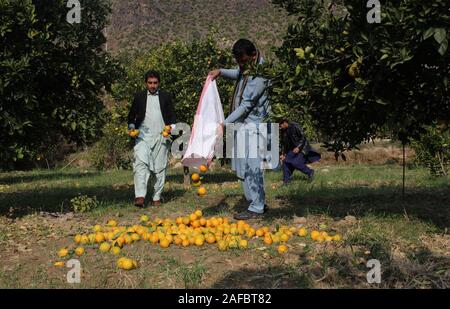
(408, 236)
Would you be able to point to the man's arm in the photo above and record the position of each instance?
(228, 73)
(171, 111)
(298, 138)
(254, 90)
(132, 114)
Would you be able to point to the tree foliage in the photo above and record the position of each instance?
(51, 76)
(355, 78)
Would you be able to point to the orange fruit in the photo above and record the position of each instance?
(77, 239)
(192, 217)
(282, 249)
(284, 237)
(198, 213)
(165, 134)
(135, 237)
(201, 191)
(164, 243)
(337, 237)
(222, 245)
(203, 168)
(199, 241)
(79, 251)
(63, 252)
(268, 240)
(197, 184)
(112, 223)
(195, 177)
(314, 235)
(179, 220)
(154, 238)
(202, 221)
(302, 232)
(169, 238)
(177, 240)
(167, 128)
(186, 220)
(185, 243)
(99, 238)
(115, 250)
(210, 239)
(259, 232)
(250, 233)
(105, 247)
(243, 244)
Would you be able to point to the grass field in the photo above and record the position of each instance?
(363, 203)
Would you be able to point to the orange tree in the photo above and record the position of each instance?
(51, 75)
(183, 68)
(354, 78)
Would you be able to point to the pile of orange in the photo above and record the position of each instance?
(191, 230)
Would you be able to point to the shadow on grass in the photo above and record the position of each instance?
(18, 204)
(431, 205)
(275, 277)
(337, 269)
(14, 179)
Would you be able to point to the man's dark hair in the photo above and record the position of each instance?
(243, 47)
(152, 73)
(283, 121)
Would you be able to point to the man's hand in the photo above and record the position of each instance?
(214, 74)
(133, 133)
(296, 150)
(220, 129)
(282, 157)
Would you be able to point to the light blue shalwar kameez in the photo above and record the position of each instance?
(252, 110)
(151, 151)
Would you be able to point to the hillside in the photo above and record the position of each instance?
(143, 24)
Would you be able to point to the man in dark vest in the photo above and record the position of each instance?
(150, 112)
(296, 151)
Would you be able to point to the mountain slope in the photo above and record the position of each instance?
(143, 24)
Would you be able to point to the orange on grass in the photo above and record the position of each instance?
(198, 213)
(201, 191)
(203, 168)
(164, 243)
(282, 249)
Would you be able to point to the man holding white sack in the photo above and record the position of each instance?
(150, 112)
(250, 107)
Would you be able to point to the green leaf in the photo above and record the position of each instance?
(428, 33)
(380, 101)
(384, 56)
(443, 48)
(440, 35)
